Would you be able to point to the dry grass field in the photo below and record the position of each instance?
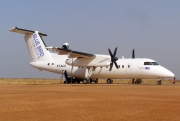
(61, 81)
(92, 102)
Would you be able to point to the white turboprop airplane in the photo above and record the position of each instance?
(89, 67)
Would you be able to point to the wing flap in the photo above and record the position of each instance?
(72, 53)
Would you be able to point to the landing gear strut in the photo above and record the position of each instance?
(88, 73)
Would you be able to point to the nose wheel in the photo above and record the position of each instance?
(159, 82)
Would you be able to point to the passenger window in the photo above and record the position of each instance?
(128, 66)
(122, 66)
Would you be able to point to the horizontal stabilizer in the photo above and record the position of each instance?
(24, 31)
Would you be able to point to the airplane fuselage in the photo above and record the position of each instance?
(128, 68)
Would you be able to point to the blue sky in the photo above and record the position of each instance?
(152, 27)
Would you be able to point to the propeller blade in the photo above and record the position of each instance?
(110, 53)
(114, 55)
(111, 65)
(116, 65)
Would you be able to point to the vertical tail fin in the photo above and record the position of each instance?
(35, 44)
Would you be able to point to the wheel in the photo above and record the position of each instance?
(96, 81)
(159, 82)
(109, 81)
(73, 81)
(78, 81)
(91, 81)
(139, 81)
(85, 81)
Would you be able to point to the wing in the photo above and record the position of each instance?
(72, 53)
(83, 59)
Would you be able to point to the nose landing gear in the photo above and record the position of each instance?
(159, 82)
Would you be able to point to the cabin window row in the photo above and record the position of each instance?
(120, 66)
(82, 67)
(50, 64)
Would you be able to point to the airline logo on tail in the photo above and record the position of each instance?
(38, 47)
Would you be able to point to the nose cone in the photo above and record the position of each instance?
(167, 74)
(170, 74)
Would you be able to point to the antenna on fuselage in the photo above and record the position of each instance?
(133, 53)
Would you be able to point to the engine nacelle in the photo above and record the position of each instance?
(99, 61)
(65, 46)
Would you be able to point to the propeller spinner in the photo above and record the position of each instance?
(113, 59)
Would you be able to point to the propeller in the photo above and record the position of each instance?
(133, 53)
(113, 59)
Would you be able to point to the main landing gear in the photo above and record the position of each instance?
(88, 81)
(109, 81)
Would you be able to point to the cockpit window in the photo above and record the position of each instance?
(150, 63)
(155, 63)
